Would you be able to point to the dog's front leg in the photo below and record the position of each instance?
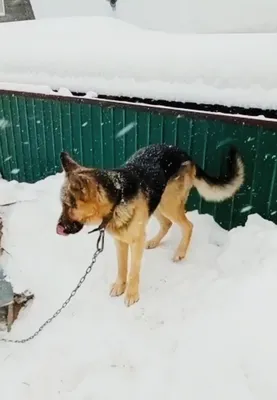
(118, 287)
(132, 290)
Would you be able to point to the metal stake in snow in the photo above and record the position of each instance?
(6, 297)
(99, 249)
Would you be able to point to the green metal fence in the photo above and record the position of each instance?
(34, 129)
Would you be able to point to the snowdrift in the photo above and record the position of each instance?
(115, 58)
(182, 16)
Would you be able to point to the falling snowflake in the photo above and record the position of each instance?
(245, 209)
(126, 129)
(4, 123)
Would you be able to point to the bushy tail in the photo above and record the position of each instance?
(220, 188)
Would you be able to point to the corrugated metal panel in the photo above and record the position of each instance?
(35, 130)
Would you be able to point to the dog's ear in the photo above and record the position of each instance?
(68, 163)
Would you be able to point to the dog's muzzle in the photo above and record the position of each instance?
(68, 228)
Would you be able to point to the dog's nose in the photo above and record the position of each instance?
(60, 230)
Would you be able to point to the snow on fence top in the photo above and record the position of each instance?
(111, 57)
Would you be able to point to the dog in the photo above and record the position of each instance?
(156, 180)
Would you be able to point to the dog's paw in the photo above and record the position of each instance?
(131, 297)
(151, 244)
(117, 289)
(178, 256)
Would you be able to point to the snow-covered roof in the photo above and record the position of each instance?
(114, 58)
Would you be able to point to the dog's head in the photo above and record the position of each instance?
(83, 199)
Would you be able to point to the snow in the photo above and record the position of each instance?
(3, 123)
(203, 329)
(201, 16)
(179, 16)
(110, 57)
(128, 128)
(21, 87)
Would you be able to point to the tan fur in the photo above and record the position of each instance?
(220, 193)
(127, 227)
(129, 220)
(91, 201)
(118, 287)
(172, 210)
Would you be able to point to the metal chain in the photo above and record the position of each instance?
(99, 249)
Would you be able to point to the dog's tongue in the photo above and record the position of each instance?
(60, 230)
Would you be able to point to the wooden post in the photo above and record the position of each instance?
(10, 317)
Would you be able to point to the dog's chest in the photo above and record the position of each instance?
(128, 222)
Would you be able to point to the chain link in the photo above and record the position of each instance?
(99, 249)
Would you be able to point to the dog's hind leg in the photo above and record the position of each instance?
(186, 229)
(165, 225)
(118, 287)
(173, 207)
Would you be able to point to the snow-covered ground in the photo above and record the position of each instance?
(204, 329)
(186, 16)
(114, 58)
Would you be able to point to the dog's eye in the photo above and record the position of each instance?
(72, 201)
(69, 201)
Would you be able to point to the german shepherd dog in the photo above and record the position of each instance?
(156, 180)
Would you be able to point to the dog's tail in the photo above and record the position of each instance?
(217, 189)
